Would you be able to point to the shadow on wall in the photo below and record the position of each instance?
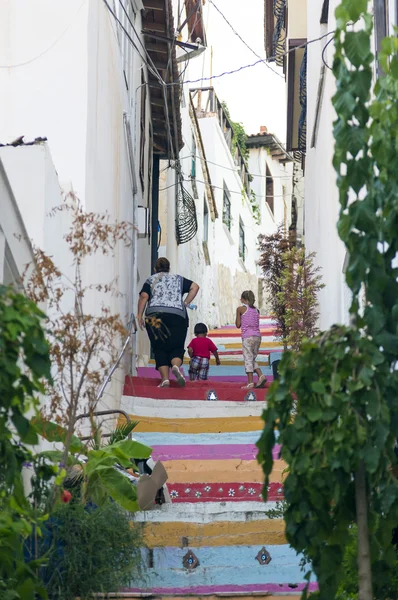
(229, 291)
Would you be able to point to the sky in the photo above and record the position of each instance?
(255, 96)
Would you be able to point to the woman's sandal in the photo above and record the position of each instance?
(261, 382)
(249, 386)
(165, 383)
(178, 375)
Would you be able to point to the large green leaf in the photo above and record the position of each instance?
(119, 488)
(122, 453)
(357, 46)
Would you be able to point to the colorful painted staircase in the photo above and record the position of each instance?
(215, 537)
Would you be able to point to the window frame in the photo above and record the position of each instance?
(381, 27)
(193, 157)
(269, 189)
(205, 221)
(227, 220)
(242, 241)
(142, 130)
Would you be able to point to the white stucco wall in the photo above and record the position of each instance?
(282, 176)
(321, 194)
(15, 248)
(64, 81)
(297, 18)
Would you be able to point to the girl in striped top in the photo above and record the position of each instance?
(248, 321)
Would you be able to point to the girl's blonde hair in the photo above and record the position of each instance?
(249, 297)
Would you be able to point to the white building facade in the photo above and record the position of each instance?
(321, 198)
(222, 252)
(80, 75)
(289, 24)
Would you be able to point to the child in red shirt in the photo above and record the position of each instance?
(199, 351)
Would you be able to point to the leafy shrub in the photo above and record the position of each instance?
(91, 550)
(385, 577)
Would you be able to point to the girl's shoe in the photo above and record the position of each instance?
(165, 383)
(261, 382)
(249, 386)
(178, 375)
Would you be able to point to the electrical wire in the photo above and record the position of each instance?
(27, 62)
(323, 54)
(151, 67)
(217, 187)
(303, 45)
(244, 42)
(229, 168)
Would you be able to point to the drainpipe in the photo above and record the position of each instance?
(155, 211)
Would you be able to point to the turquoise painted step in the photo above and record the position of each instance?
(225, 565)
(181, 439)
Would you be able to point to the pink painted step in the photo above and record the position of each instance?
(197, 390)
(153, 373)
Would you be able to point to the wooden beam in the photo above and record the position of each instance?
(159, 48)
(154, 5)
(153, 26)
(157, 102)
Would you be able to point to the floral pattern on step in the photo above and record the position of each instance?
(229, 492)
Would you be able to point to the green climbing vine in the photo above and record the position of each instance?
(239, 134)
(336, 403)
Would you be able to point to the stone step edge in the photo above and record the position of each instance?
(126, 595)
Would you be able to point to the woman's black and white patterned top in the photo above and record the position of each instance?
(166, 292)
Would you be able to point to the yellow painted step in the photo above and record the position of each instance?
(224, 533)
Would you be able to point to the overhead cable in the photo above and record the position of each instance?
(263, 60)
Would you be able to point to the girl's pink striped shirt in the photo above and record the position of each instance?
(250, 323)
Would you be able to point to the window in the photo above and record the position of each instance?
(205, 221)
(142, 127)
(226, 209)
(296, 82)
(325, 12)
(193, 158)
(269, 189)
(381, 27)
(241, 240)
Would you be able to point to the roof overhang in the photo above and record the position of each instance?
(271, 143)
(159, 39)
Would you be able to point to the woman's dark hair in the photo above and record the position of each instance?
(200, 328)
(162, 265)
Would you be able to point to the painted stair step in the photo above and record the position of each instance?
(234, 360)
(226, 591)
(266, 332)
(221, 533)
(203, 425)
(208, 512)
(236, 346)
(225, 596)
(224, 492)
(213, 439)
(207, 452)
(194, 390)
(190, 409)
(214, 565)
(221, 471)
(231, 374)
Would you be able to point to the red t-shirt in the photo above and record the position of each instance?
(202, 346)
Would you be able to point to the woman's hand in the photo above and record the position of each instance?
(142, 301)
